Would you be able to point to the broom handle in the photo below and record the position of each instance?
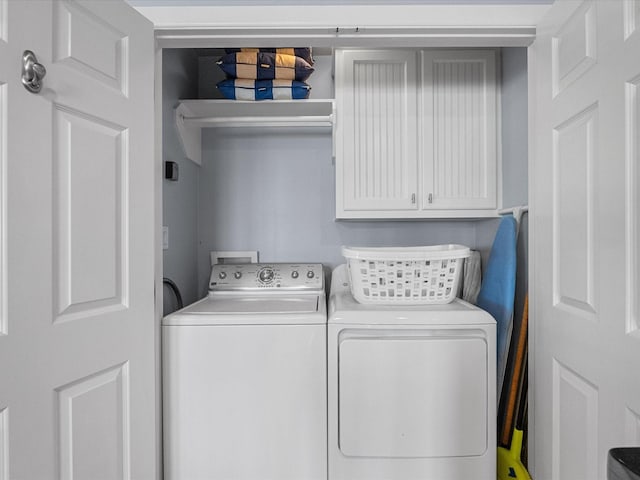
(517, 372)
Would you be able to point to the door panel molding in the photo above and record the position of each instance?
(631, 17)
(4, 321)
(632, 421)
(90, 172)
(574, 266)
(4, 443)
(105, 58)
(575, 425)
(574, 48)
(100, 399)
(4, 20)
(632, 217)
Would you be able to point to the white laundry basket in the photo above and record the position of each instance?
(405, 275)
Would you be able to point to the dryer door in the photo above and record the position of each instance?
(413, 393)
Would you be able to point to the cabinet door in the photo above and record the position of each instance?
(459, 138)
(376, 152)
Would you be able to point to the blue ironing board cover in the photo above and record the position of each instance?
(498, 288)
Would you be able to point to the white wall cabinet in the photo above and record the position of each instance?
(416, 134)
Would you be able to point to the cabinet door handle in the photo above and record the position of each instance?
(413, 198)
(431, 198)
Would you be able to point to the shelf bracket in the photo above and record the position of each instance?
(190, 138)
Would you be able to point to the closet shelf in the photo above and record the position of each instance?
(194, 115)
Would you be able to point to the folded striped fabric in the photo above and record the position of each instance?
(245, 89)
(265, 66)
(304, 53)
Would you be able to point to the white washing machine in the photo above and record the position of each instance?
(244, 377)
(411, 390)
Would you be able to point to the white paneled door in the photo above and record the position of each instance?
(586, 223)
(77, 374)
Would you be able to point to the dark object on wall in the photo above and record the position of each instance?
(171, 171)
(176, 291)
(623, 463)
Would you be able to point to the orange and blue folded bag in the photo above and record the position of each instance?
(246, 89)
(304, 53)
(265, 66)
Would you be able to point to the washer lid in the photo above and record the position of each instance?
(255, 304)
(220, 309)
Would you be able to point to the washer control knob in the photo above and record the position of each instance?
(238, 275)
(222, 275)
(266, 275)
(310, 274)
(295, 274)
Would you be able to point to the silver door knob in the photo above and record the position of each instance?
(32, 72)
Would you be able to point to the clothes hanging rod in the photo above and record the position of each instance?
(303, 120)
(512, 210)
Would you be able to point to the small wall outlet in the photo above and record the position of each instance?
(165, 238)
(233, 257)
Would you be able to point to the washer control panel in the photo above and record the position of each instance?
(250, 276)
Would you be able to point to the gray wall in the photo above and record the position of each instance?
(514, 161)
(272, 190)
(514, 126)
(180, 199)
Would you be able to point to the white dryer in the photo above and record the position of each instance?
(411, 390)
(244, 377)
